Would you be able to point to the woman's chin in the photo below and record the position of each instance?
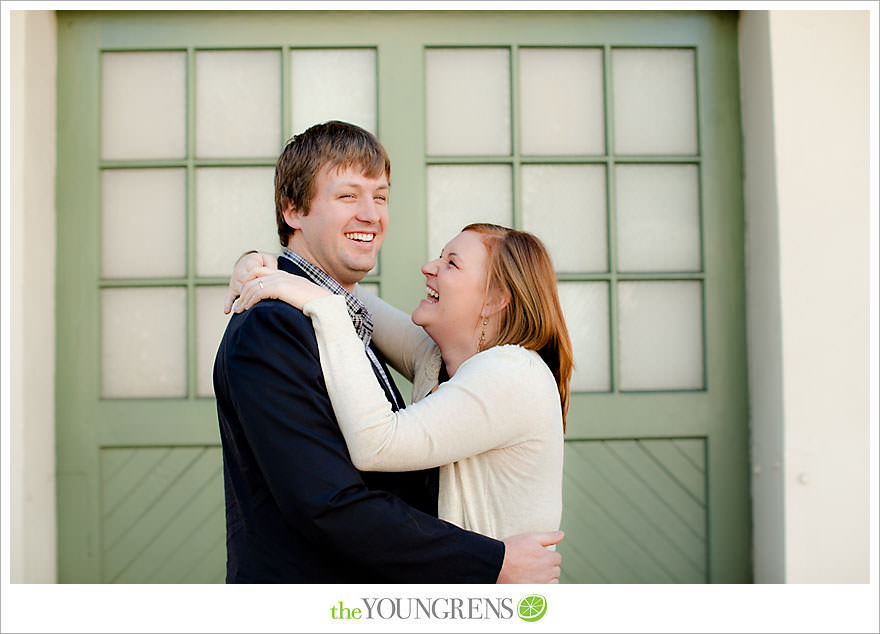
(419, 314)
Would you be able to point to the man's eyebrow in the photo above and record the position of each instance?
(360, 186)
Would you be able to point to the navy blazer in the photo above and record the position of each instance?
(297, 510)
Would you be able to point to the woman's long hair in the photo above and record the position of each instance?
(520, 267)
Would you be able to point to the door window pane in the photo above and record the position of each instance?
(459, 195)
(238, 104)
(468, 101)
(564, 205)
(143, 105)
(143, 342)
(236, 213)
(661, 335)
(655, 103)
(561, 101)
(329, 84)
(149, 204)
(585, 306)
(210, 326)
(658, 218)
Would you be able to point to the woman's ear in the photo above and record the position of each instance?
(496, 301)
(291, 216)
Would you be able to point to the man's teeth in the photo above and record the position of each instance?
(360, 237)
(432, 292)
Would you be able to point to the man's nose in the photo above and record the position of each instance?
(368, 210)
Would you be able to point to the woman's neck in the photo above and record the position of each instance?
(453, 359)
(456, 349)
(456, 353)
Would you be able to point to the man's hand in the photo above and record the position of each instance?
(527, 561)
(242, 272)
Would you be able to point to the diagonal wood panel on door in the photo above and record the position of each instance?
(635, 511)
(163, 515)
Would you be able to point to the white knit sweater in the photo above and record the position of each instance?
(494, 429)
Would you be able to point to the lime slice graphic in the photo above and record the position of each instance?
(532, 607)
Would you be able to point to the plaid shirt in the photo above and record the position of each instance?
(360, 316)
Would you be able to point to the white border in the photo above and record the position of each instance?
(578, 608)
(5, 294)
(575, 608)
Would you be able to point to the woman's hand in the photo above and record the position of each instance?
(241, 273)
(264, 283)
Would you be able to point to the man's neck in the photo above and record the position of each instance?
(307, 258)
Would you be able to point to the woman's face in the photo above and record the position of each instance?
(456, 285)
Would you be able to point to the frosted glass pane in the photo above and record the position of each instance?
(236, 213)
(143, 342)
(585, 306)
(564, 205)
(561, 101)
(143, 105)
(210, 326)
(658, 218)
(461, 194)
(150, 203)
(331, 84)
(238, 103)
(661, 335)
(468, 101)
(655, 103)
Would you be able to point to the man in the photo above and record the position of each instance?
(297, 510)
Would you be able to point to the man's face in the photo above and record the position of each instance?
(345, 226)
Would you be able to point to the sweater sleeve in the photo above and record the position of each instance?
(483, 407)
(290, 470)
(400, 341)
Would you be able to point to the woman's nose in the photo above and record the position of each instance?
(429, 269)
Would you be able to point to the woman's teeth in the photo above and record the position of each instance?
(432, 294)
(360, 237)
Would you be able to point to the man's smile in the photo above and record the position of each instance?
(360, 237)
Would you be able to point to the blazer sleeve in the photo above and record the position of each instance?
(400, 341)
(276, 386)
(494, 400)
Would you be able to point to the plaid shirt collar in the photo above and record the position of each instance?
(360, 316)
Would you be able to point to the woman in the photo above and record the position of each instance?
(490, 359)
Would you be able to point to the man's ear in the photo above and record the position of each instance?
(496, 301)
(291, 216)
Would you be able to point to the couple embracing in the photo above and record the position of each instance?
(329, 478)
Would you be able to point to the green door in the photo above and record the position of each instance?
(613, 136)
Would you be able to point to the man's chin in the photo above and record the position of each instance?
(363, 271)
(355, 275)
(360, 262)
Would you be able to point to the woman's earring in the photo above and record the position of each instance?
(483, 333)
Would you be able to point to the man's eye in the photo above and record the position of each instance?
(381, 198)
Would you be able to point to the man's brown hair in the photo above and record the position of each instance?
(335, 143)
